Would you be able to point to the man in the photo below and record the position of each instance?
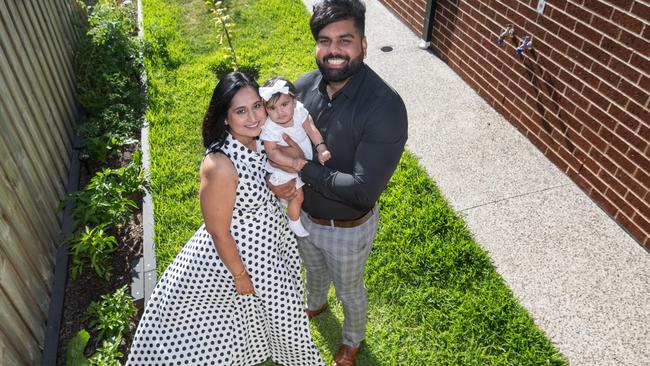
(364, 124)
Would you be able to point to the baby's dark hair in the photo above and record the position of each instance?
(269, 83)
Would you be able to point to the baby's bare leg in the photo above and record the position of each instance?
(293, 208)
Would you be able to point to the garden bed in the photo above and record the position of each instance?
(80, 293)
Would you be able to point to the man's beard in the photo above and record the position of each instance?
(352, 67)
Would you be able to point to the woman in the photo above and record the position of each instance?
(233, 295)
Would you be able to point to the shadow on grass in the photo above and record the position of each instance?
(329, 327)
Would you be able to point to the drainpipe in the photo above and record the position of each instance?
(428, 22)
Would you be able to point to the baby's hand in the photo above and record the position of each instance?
(324, 156)
(298, 164)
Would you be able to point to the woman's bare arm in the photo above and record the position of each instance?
(217, 195)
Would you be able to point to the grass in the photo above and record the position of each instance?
(435, 298)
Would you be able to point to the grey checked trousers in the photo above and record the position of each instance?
(340, 255)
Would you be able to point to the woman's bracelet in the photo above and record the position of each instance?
(318, 144)
(239, 275)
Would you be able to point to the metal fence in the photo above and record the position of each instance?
(38, 111)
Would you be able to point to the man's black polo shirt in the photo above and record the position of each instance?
(365, 128)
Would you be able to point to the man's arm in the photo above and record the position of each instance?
(376, 158)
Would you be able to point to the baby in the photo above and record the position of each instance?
(286, 115)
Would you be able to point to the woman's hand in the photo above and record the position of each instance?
(244, 285)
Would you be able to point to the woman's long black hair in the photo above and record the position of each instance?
(214, 127)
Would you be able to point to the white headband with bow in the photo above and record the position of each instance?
(278, 87)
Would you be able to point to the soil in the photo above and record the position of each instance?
(88, 287)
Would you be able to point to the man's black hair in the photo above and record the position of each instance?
(330, 11)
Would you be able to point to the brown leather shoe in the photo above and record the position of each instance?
(346, 356)
(314, 313)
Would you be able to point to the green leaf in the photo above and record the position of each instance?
(74, 355)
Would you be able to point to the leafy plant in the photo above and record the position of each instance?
(107, 199)
(108, 354)
(225, 26)
(91, 248)
(111, 316)
(108, 65)
(74, 353)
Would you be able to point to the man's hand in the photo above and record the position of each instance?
(285, 191)
(293, 150)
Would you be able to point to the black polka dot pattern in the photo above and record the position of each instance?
(195, 317)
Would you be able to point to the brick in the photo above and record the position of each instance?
(568, 119)
(596, 52)
(622, 4)
(640, 62)
(630, 23)
(578, 12)
(640, 112)
(599, 8)
(631, 183)
(595, 140)
(606, 27)
(623, 117)
(612, 139)
(556, 43)
(585, 31)
(585, 75)
(593, 180)
(576, 98)
(615, 48)
(638, 44)
(633, 92)
(639, 159)
(624, 69)
(641, 10)
(580, 57)
(621, 160)
(612, 183)
(571, 38)
(644, 83)
(612, 93)
(642, 207)
(643, 177)
(562, 18)
(642, 223)
(526, 11)
(619, 202)
(602, 160)
(606, 74)
(577, 141)
(595, 97)
(566, 153)
(631, 137)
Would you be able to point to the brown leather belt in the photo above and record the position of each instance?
(342, 223)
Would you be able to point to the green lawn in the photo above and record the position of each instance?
(435, 298)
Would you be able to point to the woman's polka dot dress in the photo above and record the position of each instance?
(195, 317)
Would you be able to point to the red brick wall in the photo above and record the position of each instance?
(581, 95)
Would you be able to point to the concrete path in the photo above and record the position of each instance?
(584, 280)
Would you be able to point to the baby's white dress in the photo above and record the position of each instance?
(273, 132)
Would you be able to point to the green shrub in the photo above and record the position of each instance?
(108, 67)
(108, 198)
(111, 316)
(91, 248)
